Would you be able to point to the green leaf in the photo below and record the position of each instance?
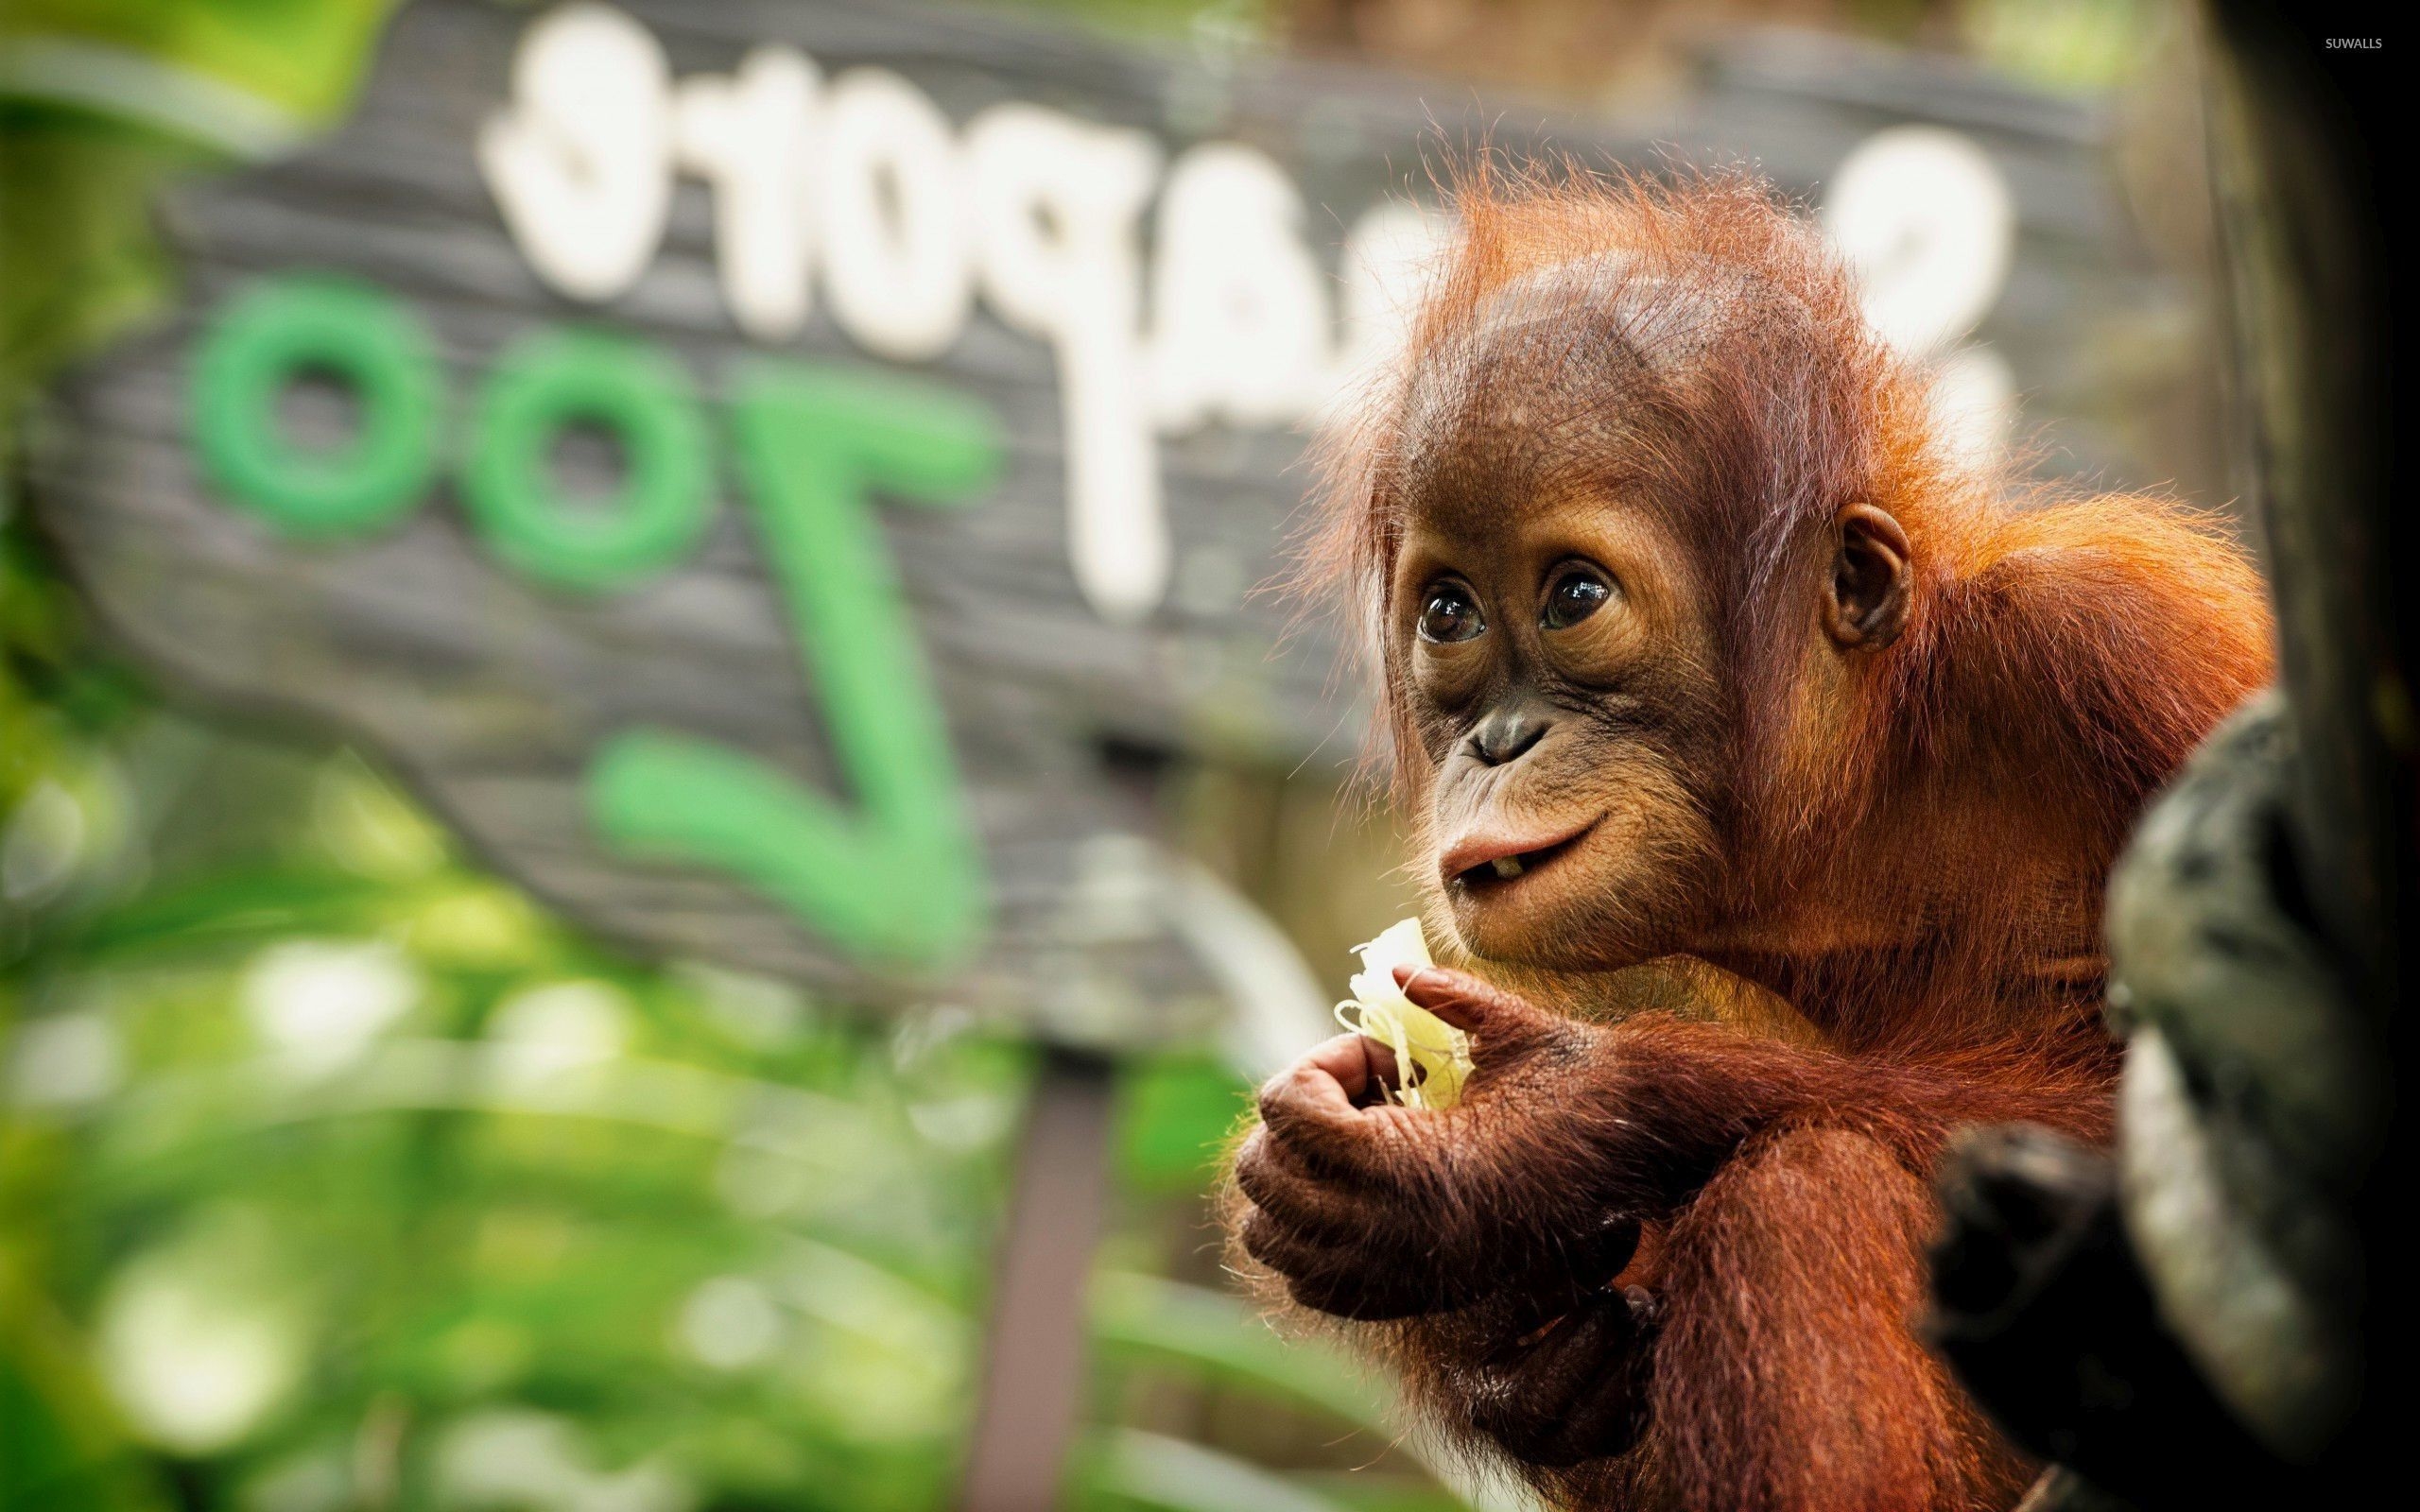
(1155, 1470)
(1219, 1335)
(1175, 1112)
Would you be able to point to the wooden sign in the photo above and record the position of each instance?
(781, 477)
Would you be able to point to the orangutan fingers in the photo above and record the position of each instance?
(1285, 1249)
(1362, 1068)
(1312, 1090)
(1350, 1295)
(1559, 1275)
(1272, 1174)
(1609, 1413)
(1384, 1152)
(1574, 1391)
(1503, 1028)
(1342, 1281)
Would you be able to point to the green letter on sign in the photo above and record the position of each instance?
(345, 331)
(556, 379)
(902, 877)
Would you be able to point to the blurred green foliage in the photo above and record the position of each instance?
(334, 1174)
(101, 102)
(2083, 47)
(301, 56)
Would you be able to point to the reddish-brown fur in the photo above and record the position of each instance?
(1913, 845)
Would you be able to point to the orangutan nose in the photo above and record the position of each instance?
(1509, 729)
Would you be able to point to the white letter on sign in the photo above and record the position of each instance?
(581, 162)
(895, 255)
(1240, 313)
(745, 135)
(1925, 219)
(1391, 263)
(1924, 216)
(1055, 206)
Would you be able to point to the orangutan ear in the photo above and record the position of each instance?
(1866, 598)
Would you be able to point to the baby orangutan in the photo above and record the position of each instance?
(1697, 642)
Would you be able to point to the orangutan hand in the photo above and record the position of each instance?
(1571, 1388)
(1369, 1209)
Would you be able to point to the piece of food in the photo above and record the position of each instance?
(1433, 1056)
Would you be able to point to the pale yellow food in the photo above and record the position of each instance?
(1433, 1055)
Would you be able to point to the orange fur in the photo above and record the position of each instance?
(1913, 843)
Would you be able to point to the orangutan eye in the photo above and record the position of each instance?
(1451, 613)
(1575, 594)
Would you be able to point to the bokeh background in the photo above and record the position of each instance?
(335, 1173)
